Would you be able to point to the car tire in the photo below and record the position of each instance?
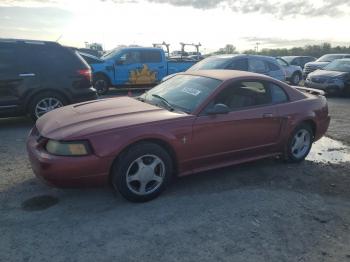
(295, 78)
(299, 143)
(142, 172)
(45, 102)
(101, 84)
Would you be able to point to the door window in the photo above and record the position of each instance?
(243, 95)
(131, 57)
(239, 64)
(257, 66)
(272, 66)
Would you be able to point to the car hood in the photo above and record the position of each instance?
(81, 120)
(317, 64)
(325, 73)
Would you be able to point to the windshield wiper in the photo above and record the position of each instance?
(168, 105)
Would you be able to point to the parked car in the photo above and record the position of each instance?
(299, 60)
(91, 59)
(39, 76)
(195, 121)
(293, 72)
(253, 63)
(135, 66)
(321, 62)
(334, 78)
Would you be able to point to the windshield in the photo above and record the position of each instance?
(111, 54)
(329, 58)
(338, 65)
(211, 63)
(289, 59)
(182, 92)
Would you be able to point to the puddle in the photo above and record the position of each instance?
(39, 203)
(327, 150)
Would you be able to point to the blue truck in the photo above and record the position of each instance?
(133, 67)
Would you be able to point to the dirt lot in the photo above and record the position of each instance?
(262, 211)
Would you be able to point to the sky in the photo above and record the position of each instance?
(213, 23)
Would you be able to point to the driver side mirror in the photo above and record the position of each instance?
(119, 62)
(218, 109)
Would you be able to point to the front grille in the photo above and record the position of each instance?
(309, 69)
(319, 80)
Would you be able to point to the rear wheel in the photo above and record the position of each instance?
(101, 84)
(300, 143)
(142, 172)
(45, 102)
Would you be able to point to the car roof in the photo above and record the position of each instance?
(230, 56)
(224, 75)
(27, 41)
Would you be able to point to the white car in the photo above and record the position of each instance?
(293, 72)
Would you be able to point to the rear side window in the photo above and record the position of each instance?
(272, 66)
(151, 56)
(278, 95)
(49, 58)
(257, 66)
(7, 58)
(239, 64)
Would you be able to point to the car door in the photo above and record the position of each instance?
(250, 129)
(156, 65)
(128, 68)
(9, 77)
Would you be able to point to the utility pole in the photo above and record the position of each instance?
(257, 47)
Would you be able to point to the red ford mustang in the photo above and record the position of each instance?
(192, 122)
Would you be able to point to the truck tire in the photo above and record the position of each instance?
(101, 84)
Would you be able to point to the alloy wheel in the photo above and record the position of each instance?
(301, 143)
(145, 174)
(46, 105)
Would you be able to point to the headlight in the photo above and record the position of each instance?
(71, 148)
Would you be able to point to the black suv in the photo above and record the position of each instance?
(38, 76)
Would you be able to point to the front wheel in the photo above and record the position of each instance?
(142, 172)
(296, 78)
(299, 144)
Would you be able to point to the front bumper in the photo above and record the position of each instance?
(62, 171)
(84, 95)
(329, 88)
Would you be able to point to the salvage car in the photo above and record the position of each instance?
(39, 76)
(321, 62)
(253, 63)
(334, 78)
(135, 66)
(293, 72)
(299, 60)
(193, 122)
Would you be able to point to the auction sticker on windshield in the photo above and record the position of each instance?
(191, 91)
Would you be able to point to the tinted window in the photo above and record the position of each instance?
(152, 56)
(257, 66)
(239, 64)
(277, 94)
(7, 58)
(272, 66)
(56, 59)
(244, 94)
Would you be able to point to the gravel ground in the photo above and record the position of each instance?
(261, 211)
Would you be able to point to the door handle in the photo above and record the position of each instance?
(267, 115)
(26, 74)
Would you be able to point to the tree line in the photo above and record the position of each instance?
(308, 50)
